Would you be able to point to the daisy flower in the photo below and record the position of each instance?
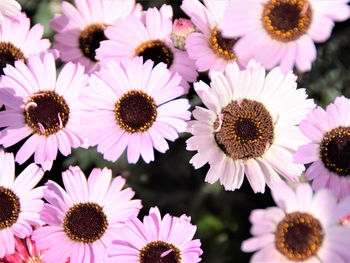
(281, 31)
(134, 105)
(150, 40)
(80, 30)
(18, 41)
(20, 204)
(209, 49)
(9, 8)
(83, 220)
(328, 149)
(157, 240)
(42, 108)
(249, 126)
(303, 227)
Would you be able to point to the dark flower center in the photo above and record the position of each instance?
(90, 39)
(157, 51)
(9, 208)
(159, 252)
(85, 222)
(286, 20)
(46, 113)
(222, 46)
(244, 129)
(335, 151)
(8, 55)
(135, 111)
(298, 236)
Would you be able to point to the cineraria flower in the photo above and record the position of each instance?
(18, 41)
(80, 30)
(209, 49)
(250, 126)
(167, 240)
(9, 8)
(328, 148)
(40, 107)
(25, 252)
(82, 222)
(20, 204)
(134, 105)
(151, 40)
(303, 228)
(281, 31)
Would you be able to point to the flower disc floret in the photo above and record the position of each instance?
(286, 20)
(10, 208)
(160, 250)
(157, 51)
(82, 215)
(46, 113)
(135, 111)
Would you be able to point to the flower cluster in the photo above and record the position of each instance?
(124, 86)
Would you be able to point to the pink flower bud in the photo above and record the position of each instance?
(181, 29)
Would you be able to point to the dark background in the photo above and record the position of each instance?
(171, 183)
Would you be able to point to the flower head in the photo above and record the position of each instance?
(303, 228)
(39, 106)
(134, 105)
(157, 240)
(20, 202)
(80, 30)
(328, 148)
(249, 126)
(281, 32)
(150, 38)
(210, 50)
(83, 220)
(9, 8)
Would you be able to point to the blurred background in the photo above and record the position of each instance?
(170, 182)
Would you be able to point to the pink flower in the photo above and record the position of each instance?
(209, 49)
(328, 148)
(20, 202)
(281, 32)
(25, 252)
(151, 40)
(41, 107)
(80, 30)
(18, 41)
(157, 240)
(249, 126)
(303, 228)
(134, 105)
(83, 220)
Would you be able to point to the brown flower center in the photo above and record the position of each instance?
(244, 129)
(222, 46)
(46, 113)
(85, 222)
(335, 151)
(9, 208)
(286, 20)
(90, 39)
(8, 55)
(159, 252)
(135, 111)
(157, 51)
(298, 236)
